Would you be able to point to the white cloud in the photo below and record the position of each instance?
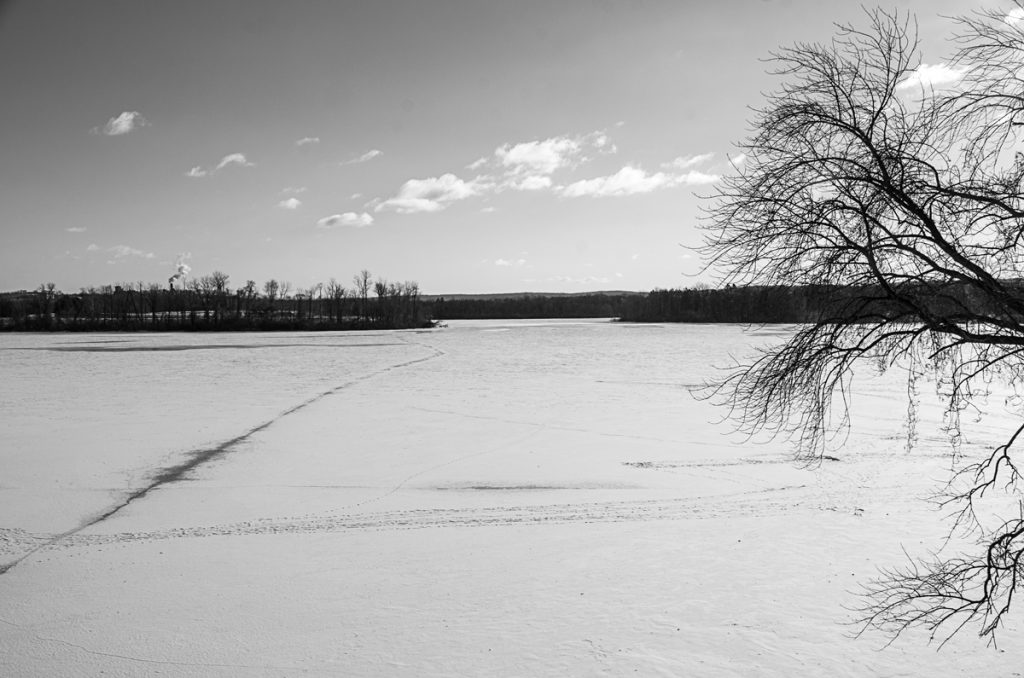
(532, 183)
(738, 160)
(1015, 16)
(76, 229)
(234, 159)
(121, 251)
(586, 280)
(239, 159)
(696, 178)
(687, 161)
(305, 141)
(937, 76)
(122, 124)
(432, 194)
(539, 157)
(529, 165)
(489, 209)
(294, 190)
(369, 155)
(507, 262)
(346, 219)
(93, 247)
(632, 180)
(290, 203)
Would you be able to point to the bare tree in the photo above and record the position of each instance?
(361, 281)
(907, 203)
(336, 292)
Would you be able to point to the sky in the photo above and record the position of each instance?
(472, 146)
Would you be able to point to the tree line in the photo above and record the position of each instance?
(209, 303)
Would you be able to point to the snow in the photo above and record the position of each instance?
(496, 498)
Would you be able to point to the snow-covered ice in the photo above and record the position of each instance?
(495, 498)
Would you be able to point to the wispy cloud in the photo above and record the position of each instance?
(510, 262)
(76, 229)
(632, 180)
(365, 157)
(529, 165)
(293, 190)
(121, 251)
(585, 280)
(1015, 16)
(290, 204)
(306, 141)
(346, 219)
(432, 194)
(239, 159)
(122, 124)
(539, 157)
(534, 182)
(688, 161)
(532, 166)
(933, 76)
(93, 247)
(234, 159)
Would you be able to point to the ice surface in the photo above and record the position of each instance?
(495, 498)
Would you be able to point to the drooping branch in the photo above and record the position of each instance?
(907, 203)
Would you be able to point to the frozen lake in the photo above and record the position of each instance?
(500, 498)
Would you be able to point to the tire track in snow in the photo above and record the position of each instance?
(775, 501)
(197, 458)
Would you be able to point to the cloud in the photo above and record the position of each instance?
(346, 219)
(93, 247)
(239, 159)
(539, 157)
(687, 161)
(294, 190)
(937, 76)
(305, 141)
(586, 280)
(233, 159)
(432, 194)
(76, 229)
(290, 203)
(369, 155)
(122, 124)
(528, 165)
(1015, 16)
(632, 180)
(506, 262)
(738, 160)
(489, 209)
(532, 183)
(121, 251)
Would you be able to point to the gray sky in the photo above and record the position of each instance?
(472, 146)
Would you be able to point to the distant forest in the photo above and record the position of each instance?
(208, 303)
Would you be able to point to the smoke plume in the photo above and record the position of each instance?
(181, 268)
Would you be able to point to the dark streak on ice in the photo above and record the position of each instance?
(197, 458)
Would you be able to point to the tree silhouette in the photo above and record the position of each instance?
(909, 198)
